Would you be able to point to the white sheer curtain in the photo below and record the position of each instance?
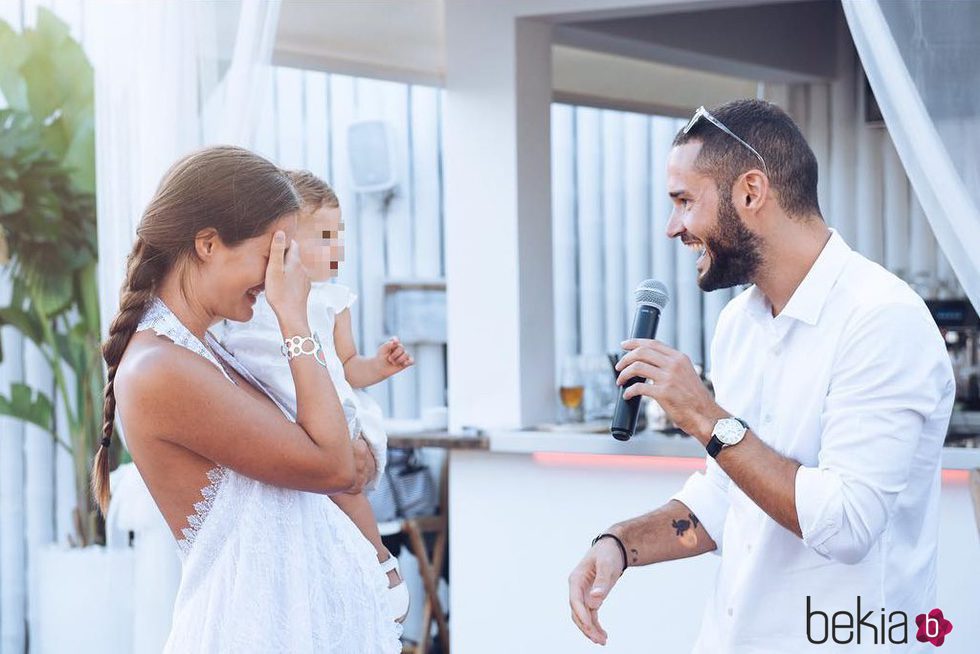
(920, 57)
(170, 77)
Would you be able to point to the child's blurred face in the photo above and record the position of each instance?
(320, 235)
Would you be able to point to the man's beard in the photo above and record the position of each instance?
(734, 251)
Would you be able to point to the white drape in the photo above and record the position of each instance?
(169, 77)
(920, 58)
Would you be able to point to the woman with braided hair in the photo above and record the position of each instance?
(269, 563)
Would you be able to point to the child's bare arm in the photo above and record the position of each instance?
(362, 371)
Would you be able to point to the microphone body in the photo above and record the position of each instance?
(651, 297)
(627, 411)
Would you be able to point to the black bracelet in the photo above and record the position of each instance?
(622, 548)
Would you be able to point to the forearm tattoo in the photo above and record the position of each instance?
(685, 530)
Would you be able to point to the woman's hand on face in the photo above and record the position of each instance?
(287, 285)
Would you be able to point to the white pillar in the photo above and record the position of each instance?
(818, 135)
(663, 250)
(617, 287)
(922, 249)
(13, 555)
(564, 243)
(498, 217)
(588, 206)
(840, 213)
(896, 211)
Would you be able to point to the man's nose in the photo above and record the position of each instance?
(675, 227)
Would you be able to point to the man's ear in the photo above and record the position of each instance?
(206, 242)
(751, 191)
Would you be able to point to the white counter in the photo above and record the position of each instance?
(652, 443)
(524, 511)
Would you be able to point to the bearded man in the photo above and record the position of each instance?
(824, 438)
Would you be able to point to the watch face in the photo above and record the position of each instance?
(729, 431)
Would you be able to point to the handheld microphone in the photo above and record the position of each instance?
(651, 298)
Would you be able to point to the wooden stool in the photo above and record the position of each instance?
(430, 564)
(429, 569)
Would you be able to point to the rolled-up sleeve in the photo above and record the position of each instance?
(890, 375)
(706, 495)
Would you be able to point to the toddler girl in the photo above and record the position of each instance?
(256, 344)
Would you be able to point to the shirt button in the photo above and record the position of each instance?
(777, 350)
(767, 419)
(748, 548)
(729, 611)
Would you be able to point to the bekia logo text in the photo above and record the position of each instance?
(873, 627)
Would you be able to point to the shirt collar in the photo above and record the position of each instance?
(811, 295)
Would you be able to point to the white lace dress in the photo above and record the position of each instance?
(268, 569)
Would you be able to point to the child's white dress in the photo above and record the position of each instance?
(255, 344)
(268, 569)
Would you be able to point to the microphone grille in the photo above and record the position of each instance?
(653, 293)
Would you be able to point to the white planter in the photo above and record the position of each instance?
(156, 567)
(82, 601)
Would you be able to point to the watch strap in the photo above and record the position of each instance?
(715, 445)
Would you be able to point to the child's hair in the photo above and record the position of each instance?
(314, 192)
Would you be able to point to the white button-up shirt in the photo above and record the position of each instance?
(852, 380)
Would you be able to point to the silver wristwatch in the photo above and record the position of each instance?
(727, 432)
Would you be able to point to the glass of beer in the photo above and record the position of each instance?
(571, 389)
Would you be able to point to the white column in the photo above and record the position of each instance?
(664, 250)
(565, 241)
(38, 471)
(617, 287)
(588, 204)
(818, 135)
(498, 217)
(922, 249)
(896, 211)
(66, 497)
(427, 212)
(867, 192)
(636, 208)
(13, 558)
(840, 212)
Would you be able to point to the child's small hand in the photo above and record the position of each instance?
(393, 357)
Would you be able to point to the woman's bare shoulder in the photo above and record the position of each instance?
(154, 366)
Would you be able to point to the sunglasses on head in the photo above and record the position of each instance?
(704, 113)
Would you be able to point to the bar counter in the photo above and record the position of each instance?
(525, 505)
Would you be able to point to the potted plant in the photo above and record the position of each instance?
(48, 245)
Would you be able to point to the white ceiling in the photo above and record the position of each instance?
(617, 63)
(397, 39)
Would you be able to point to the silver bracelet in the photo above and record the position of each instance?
(296, 346)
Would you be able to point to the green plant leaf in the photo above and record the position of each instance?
(24, 322)
(11, 200)
(15, 52)
(51, 28)
(29, 405)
